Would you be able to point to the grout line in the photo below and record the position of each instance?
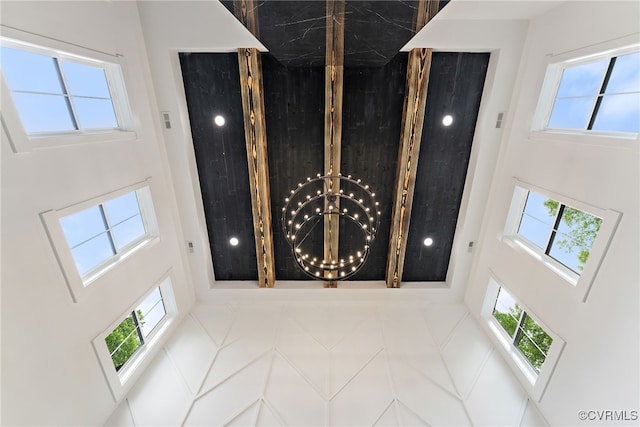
(273, 411)
(199, 396)
(384, 411)
(414, 413)
(304, 377)
(126, 401)
(240, 412)
(450, 334)
(476, 377)
(354, 376)
(527, 401)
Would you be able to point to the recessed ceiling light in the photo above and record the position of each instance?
(234, 241)
(218, 120)
(428, 241)
(447, 120)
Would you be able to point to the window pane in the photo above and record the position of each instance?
(82, 225)
(95, 113)
(581, 226)
(582, 80)
(567, 251)
(147, 304)
(507, 312)
(152, 318)
(85, 80)
(576, 233)
(128, 232)
(123, 342)
(571, 113)
(534, 342)
(92, 253)
(43, 113)
(30, 71)
(537, 219)
(619, 113)
(625, 76)
(122, 207)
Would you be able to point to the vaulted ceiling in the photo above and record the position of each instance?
(333, 92)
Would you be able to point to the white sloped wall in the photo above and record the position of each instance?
(307, 358)
(50, 373)
(598, 368)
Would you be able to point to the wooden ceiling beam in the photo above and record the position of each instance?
(412, 121)
(333, 84)
(415, 101)
(250, 67)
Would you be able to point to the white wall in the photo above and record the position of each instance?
(598, 368)
(50, 374)
(327, 357)
(170, 27)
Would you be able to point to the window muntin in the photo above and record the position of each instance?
(562, 232)
(601, 95)
(131, 334)
(97, 233)
(54, 94)
(525, 333)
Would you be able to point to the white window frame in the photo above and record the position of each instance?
(554, 68)
(51, 219)
(581, 283)
(18, 138)
(120, 381)
(534, 382)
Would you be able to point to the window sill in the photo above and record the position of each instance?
(619, 140)
(37, 142)
(101, 270)
(566, 274)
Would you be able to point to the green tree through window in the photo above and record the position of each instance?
(125, 339)
(578, 233)
(527, 336)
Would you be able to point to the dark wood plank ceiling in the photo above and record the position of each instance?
(294, 97)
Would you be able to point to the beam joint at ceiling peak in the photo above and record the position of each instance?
(333, 83)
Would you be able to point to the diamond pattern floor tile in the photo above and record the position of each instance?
(232, 397)
(365, 398)
(294, 399)
(246, 418)
(389, 418)
(432, 403)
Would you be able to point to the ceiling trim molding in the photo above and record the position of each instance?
(333, 83)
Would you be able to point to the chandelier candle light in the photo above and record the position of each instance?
(354, 207)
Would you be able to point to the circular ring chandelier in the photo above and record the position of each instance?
(327, 203)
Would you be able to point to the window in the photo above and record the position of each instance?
(564, 233)
(600, 94)
(53, 94)
(567, 236)
(96, 234)
(526, 335)
(59, 94)
(129, 343)
(92, 237)
(530, 347)
(125, 340)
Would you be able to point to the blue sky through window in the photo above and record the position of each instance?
(46, 91)
(575, 106)
(570, 241)
(91, 240)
